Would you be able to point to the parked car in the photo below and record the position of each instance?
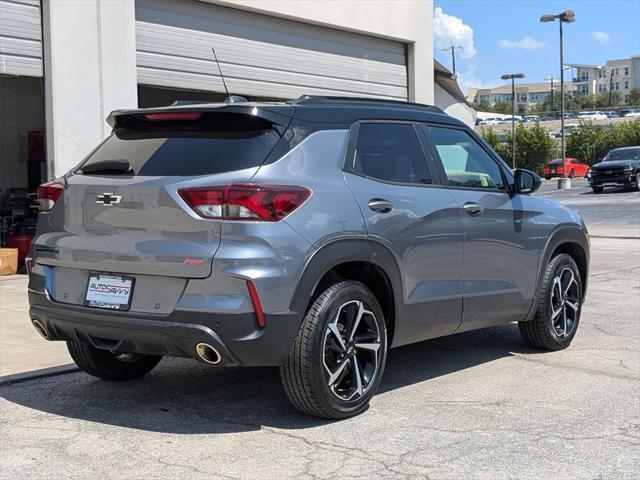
(569, 116)
(531, 118)
(619, 167)
(573, 167)
(632, 112)
(312, 235)
(592, 115)
(611, 114)
(489, 121)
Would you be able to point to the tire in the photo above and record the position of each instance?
(544, 331)
(547, 178)
(107, 366)
(307, 371)
(597, 189)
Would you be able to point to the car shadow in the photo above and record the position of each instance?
(186, 397)
(607, 190)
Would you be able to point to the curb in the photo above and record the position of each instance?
(36, 374)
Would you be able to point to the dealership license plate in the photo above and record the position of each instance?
(109, 291)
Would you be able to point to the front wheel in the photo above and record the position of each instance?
(597, 189)
(559, 306)
(338, 358)
(117, 367)
(571, 174)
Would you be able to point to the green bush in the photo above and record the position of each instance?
(590, 143)
(534, 146)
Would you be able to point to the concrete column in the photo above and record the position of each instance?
(90, 69)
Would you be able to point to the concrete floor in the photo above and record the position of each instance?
(474, 405)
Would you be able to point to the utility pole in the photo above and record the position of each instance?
(512, 77)
(610, 84)
(551, 78)
(453, 56)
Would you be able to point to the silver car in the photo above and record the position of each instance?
(312, 235)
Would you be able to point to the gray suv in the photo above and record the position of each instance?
(312, 235)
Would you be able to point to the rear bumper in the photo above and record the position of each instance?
(235, 336)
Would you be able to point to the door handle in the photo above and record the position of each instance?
(380, 205)
(473, 208)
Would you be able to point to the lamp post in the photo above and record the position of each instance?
(513, 77)
(567, 16)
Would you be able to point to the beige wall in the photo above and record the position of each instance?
(406, 20)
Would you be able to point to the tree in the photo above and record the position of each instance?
(483, 106)
(603, 99)
(634, 97)
(534, 145)
(502, 107)
(590, 143)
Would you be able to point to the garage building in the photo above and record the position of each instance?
(64, 65)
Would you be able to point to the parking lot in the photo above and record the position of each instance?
(474, 405)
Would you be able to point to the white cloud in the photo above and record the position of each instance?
(527, 43)
(469, 79)
(448, 30)
(601, 37)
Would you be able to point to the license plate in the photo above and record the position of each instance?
(109, 291)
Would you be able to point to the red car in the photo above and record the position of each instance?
(574, 167)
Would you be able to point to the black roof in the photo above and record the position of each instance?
(317, 109)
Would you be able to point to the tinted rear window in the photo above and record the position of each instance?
(215, 143)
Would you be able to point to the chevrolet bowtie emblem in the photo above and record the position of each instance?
(108, 199)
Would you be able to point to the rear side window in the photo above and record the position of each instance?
(214, 143)
(390, 152)
(465, 162)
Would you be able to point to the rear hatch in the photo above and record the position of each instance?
(120, 212)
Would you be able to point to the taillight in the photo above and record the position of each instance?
(163, 116)
(48, 194)
(268, 203)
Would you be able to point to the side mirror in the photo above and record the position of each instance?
(526, 181)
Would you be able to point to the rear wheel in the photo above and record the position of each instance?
(559, 306)
(338, 358)
(111, 366)
(571, 174)
(597, 189)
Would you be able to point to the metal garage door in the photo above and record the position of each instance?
(20, 38)
(260, 55)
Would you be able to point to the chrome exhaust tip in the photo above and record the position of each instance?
(40, 329)
(207, 353)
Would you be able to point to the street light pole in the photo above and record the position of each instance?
(567, 16)
(513, 77)
(562, 143)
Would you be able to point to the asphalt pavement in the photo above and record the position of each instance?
(475, 405)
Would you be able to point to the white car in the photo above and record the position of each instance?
(634, 113)
(489, 121)
(592, 115)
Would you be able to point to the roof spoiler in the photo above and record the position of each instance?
(279, 118)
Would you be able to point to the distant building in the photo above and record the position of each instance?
(527, 94)
(620, 76)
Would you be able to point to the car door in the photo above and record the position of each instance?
(417, 220)
(501, 248)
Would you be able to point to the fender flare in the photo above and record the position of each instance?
(561, 235)
(342, 251)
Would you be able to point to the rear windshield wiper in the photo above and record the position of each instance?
(115, 166)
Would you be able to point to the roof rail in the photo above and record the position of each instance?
(327, 100)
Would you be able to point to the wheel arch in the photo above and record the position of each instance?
(363, 260)
(573, 241)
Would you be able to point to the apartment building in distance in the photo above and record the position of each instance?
(527, 94)
(620, 76)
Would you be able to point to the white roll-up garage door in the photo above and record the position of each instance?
(260, 55)
(20, 38)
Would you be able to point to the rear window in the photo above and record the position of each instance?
(214, 143)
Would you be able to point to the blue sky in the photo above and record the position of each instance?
(504, 36)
